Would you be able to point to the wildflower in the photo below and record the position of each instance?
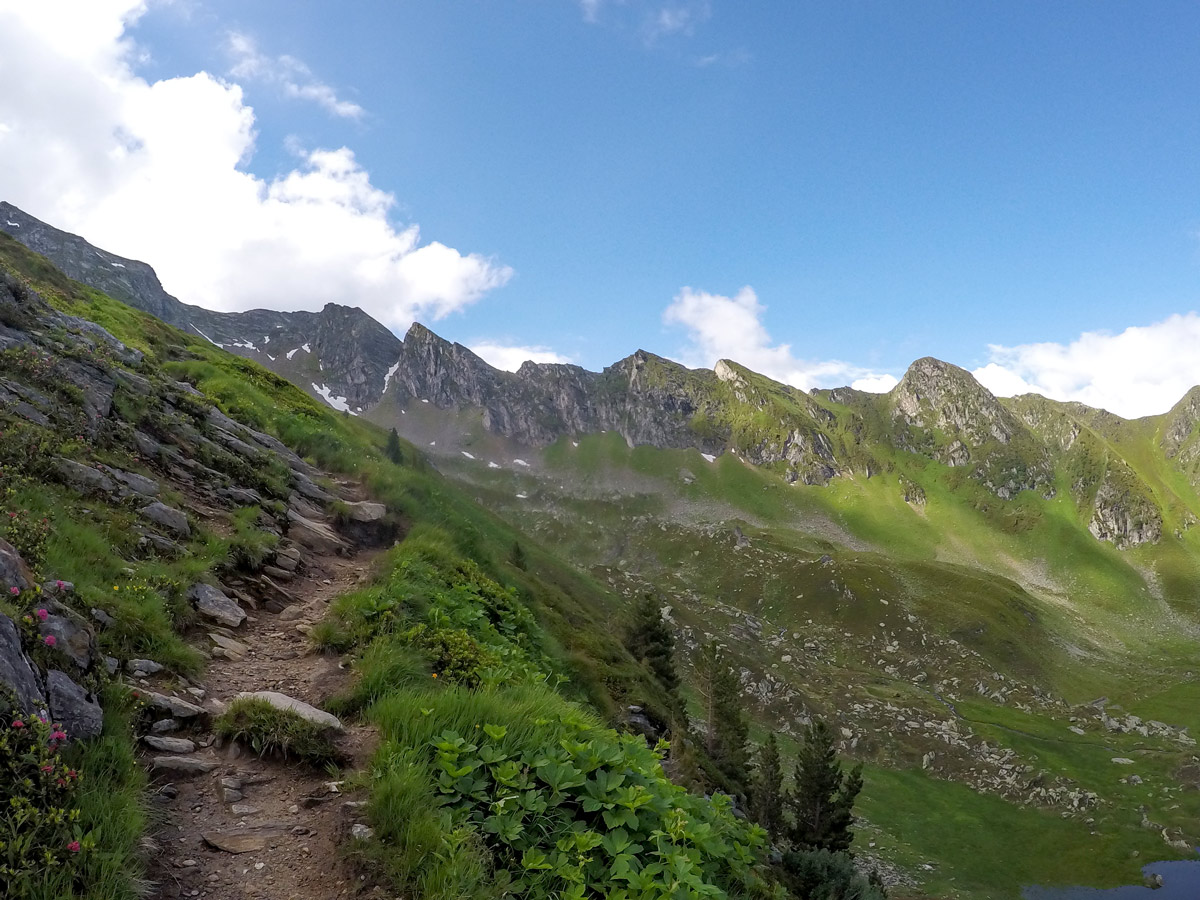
(17, 723)
(60, 584)
(47, 768)
(14, 590)
(42, 614)
(435, 674)
(50, 640)
(73, 846)
(115, 588)
(58, 736)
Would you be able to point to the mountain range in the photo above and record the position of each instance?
(938, 412)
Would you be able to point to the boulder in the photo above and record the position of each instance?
(242, 496)
(365, 511)
(299, 707)
(71, 633)
(168, 517)
(84, 478)
(135, 483)
(287, 558)
(16, 673)
(70, 705)
(179, 709)
(310, 489)
(13, 571)
(213, 604)
(314, 535)
(143, 667)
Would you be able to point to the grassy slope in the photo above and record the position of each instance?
(1022, 584)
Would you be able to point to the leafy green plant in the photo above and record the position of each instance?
(28, 534)
(39, 824)
(268, 730)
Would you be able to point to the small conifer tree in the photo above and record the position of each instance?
(728, 727)
(822, 800)
(766, 790)
(393, 450)
(652, 642)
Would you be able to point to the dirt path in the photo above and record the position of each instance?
(251, 827)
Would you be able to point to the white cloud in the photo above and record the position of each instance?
(731, 328)
(292, 75)
(875, 384)
(156, 171)
(1143, 370)
(509, 356)
(591, 9)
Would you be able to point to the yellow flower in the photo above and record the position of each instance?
(115, 588)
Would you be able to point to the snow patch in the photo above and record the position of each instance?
(292, 353)
(492, 465)
(206, 337)
(466, 454)
(433, 443)
(117, 265)
(387, 378)
(709, 457)
(574, 443)
(13, 224)
(522, 496)
(270, 357)
(245, 344)
(266, 339)
(424, 401)
(306, 348)
(520, 462)
(338, 403)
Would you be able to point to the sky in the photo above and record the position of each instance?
(822, 191)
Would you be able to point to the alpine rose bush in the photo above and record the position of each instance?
(39, 827)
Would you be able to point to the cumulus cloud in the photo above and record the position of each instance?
(722, 327)
(510, 356)
(289, 73)
(1144, 370)
(157, 171)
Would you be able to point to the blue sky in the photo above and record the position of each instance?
(989, 183)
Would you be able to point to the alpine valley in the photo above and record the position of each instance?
(995, 602)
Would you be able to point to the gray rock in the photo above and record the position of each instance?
(101, 618)
(232, 648)
(159, 544)
(314, 535)
(361, 832)
(147, 446)
(165, 726)
(84, 478)
(180, 709)
(13, 571)
(287, 558)
(365, 511)
(143, 666)
(111, 665)
(278, 573)
(182, 765)
(135, 483)
(169, 744)
(213, 604)
(168, 517)
(242, 496)
(79, 714)
(1122, 761)
(16, 673)
(299, 707)
(71, 633)
(310, 489)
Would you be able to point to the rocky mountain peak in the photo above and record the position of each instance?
(937, 394)
(1181, 422)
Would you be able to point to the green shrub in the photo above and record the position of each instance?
(28, 533)
(250, 547)
(39, 822)
(270, 730)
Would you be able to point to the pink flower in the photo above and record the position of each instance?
(60, 584)
(73, 846)
(14, 590)
(47, 768)
(58, 736)
(50, 640)
(17, 723)
(42, 614)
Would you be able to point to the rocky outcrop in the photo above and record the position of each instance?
(71, 706)
(1121, 515)
(212, 603)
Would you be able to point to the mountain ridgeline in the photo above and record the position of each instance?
(1129, 482)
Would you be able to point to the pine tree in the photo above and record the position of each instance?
(651, 641)
(517, 556)
(393, 450)
(766, 790)
(822, 801)
(728, 727)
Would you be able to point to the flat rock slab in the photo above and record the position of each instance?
(1122, 761)
(16, 673)
(229, 645)
(180, 709)
(213, 604)
(169, 744)
(182, 765)
(168, 517)
(365, 511)
(299, 707)
(239, 841)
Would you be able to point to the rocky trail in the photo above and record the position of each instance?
(234, 824)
